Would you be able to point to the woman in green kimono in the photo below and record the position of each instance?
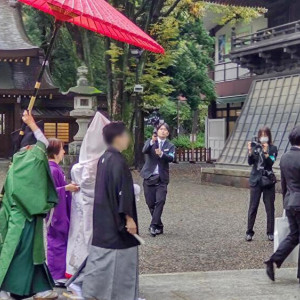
(29, 194)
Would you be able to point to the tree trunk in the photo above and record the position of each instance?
(195, 121)
(87, 54)
(139, 133)
(109, 79)
(154, 12)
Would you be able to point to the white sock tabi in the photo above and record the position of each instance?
(4, 295)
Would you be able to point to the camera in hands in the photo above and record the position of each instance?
(256, 145)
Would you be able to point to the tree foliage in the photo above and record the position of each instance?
(232, 14)
(175, 24)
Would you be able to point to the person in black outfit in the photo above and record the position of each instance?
(290, 183)
(111, 269)
(261, 157)
(159, 153)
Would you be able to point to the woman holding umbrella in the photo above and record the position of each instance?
(29, 193)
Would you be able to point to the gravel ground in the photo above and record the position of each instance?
(204, 227)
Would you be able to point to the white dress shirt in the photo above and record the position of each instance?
(160, 145)
(38, 134)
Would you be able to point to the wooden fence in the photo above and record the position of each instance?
(200, 155)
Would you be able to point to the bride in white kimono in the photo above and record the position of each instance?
(84, 173)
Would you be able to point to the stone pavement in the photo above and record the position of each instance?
(221, 285)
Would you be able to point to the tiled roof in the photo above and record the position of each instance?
(51, 113)
(16, 75)
(19, 77)
(272, 102)
(248, 3)
(13, 39)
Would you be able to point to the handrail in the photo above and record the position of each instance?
(264, 34)
(225, 74)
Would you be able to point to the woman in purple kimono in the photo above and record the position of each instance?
(59, 218)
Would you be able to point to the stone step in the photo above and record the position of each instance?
(221, 285)
(234, 177)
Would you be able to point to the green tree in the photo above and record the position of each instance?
(190, 72)
(175, 24)
(64, 60)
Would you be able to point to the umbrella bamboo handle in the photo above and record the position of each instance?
(37, 86)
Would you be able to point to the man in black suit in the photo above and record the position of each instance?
(159, 153)
(290, 182)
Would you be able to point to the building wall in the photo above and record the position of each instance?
(231, 80)
(224, 69)
(284, 12)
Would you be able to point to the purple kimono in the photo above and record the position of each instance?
(58, 225)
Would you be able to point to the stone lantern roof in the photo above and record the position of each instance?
(83, 87)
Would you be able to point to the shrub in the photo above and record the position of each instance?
(148, 132)
(183, 141)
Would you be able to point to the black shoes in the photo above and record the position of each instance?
(159, 231)
(248, 238)
(270, 269)
(152, 231)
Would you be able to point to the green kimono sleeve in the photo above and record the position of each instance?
(32, 189)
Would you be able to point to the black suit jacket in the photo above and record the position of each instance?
(253, 161)
(290, 177)
(152, 160)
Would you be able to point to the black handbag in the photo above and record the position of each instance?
(268, 179)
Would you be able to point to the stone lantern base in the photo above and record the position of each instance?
(85, 100)
(83, 118)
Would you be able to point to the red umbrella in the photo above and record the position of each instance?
(96, 15)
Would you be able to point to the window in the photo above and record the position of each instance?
(58, 130)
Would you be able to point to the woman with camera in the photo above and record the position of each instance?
(261, 156)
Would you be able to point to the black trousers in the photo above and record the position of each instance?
(291, 241)
(269, 200)
(156, 196)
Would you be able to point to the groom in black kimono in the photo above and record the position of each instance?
(111, 270)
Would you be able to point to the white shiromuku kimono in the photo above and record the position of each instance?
(84, 174)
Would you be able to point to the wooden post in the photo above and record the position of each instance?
(192, 139)
(209, 155)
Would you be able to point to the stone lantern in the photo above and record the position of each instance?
(85, 104)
